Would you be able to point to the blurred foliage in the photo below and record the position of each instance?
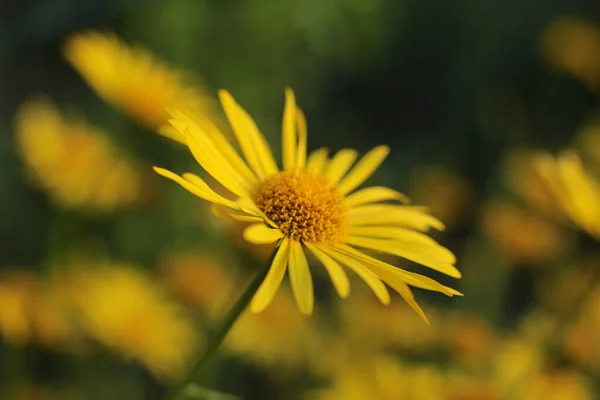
(113, 304)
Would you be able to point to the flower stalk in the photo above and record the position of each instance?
(217, 338)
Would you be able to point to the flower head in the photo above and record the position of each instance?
(311, 205)
(132, 79)
(73, 161)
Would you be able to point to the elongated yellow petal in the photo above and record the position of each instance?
(226, 213)
(252, 142)
(265, 293)
(301, 278)
(390, 232)
(582, 194)
(200, 125)
(300, 160)
(262, 234)
(405, 292)
(213, 162)
(340, 164)
(393, 215)
(173, 134)
(375, 194)
(334, 269)
(433, 256)
(288, 131)
(203, 192)
(364, 169)
(384, 270)
(363, 272)
(317, 161)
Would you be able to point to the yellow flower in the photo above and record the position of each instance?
(521, 176)
(526, 238)
(122, 308)
(383, 378)
(198, 279)
(15, 294)
(31, 311)
(73, 161)
(576, 190)
(132, 79)
(367, 324)
(265, 338)
(311, 205)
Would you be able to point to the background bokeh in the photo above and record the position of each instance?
(110, 295)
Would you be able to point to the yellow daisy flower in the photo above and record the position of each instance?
(132, 79)
(576, 190)
(73, 161)
(311, 205)
(124, 309)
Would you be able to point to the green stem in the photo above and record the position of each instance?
(217, 338)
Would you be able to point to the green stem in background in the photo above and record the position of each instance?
(553, 341)
(216, 339)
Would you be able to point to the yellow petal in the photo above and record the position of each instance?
(334, 269)
(269, 287)
(262, 234)
(404, 291)
(364, 273)
(387, 214)
(364, 169)
(300, 160)
(300, 278)
(203, 192)
(375, 194)
(317, 161)
(226, 213)
(200, 125)
(173, 134)
(340, 164)
(288, 131)
(387, 271)
(433, 256)
(391, 232)
(213, 162)
(252, 142)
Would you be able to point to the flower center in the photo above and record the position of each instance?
(304, 207)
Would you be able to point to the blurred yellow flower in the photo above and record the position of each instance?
(581, 338)
(366, 322)
(198, 279)
(527, 239)
(15, 294)
(572, 44)
(521, 176)
(74, 162)
(587, 142)
(31, 311)
(384, 378)
(576, 190)
(133, 80)
(124, 309)
(470, 338)
(558, 385)
(279, 337)
(309, 205)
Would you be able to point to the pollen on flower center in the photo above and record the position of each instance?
(304, 207)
